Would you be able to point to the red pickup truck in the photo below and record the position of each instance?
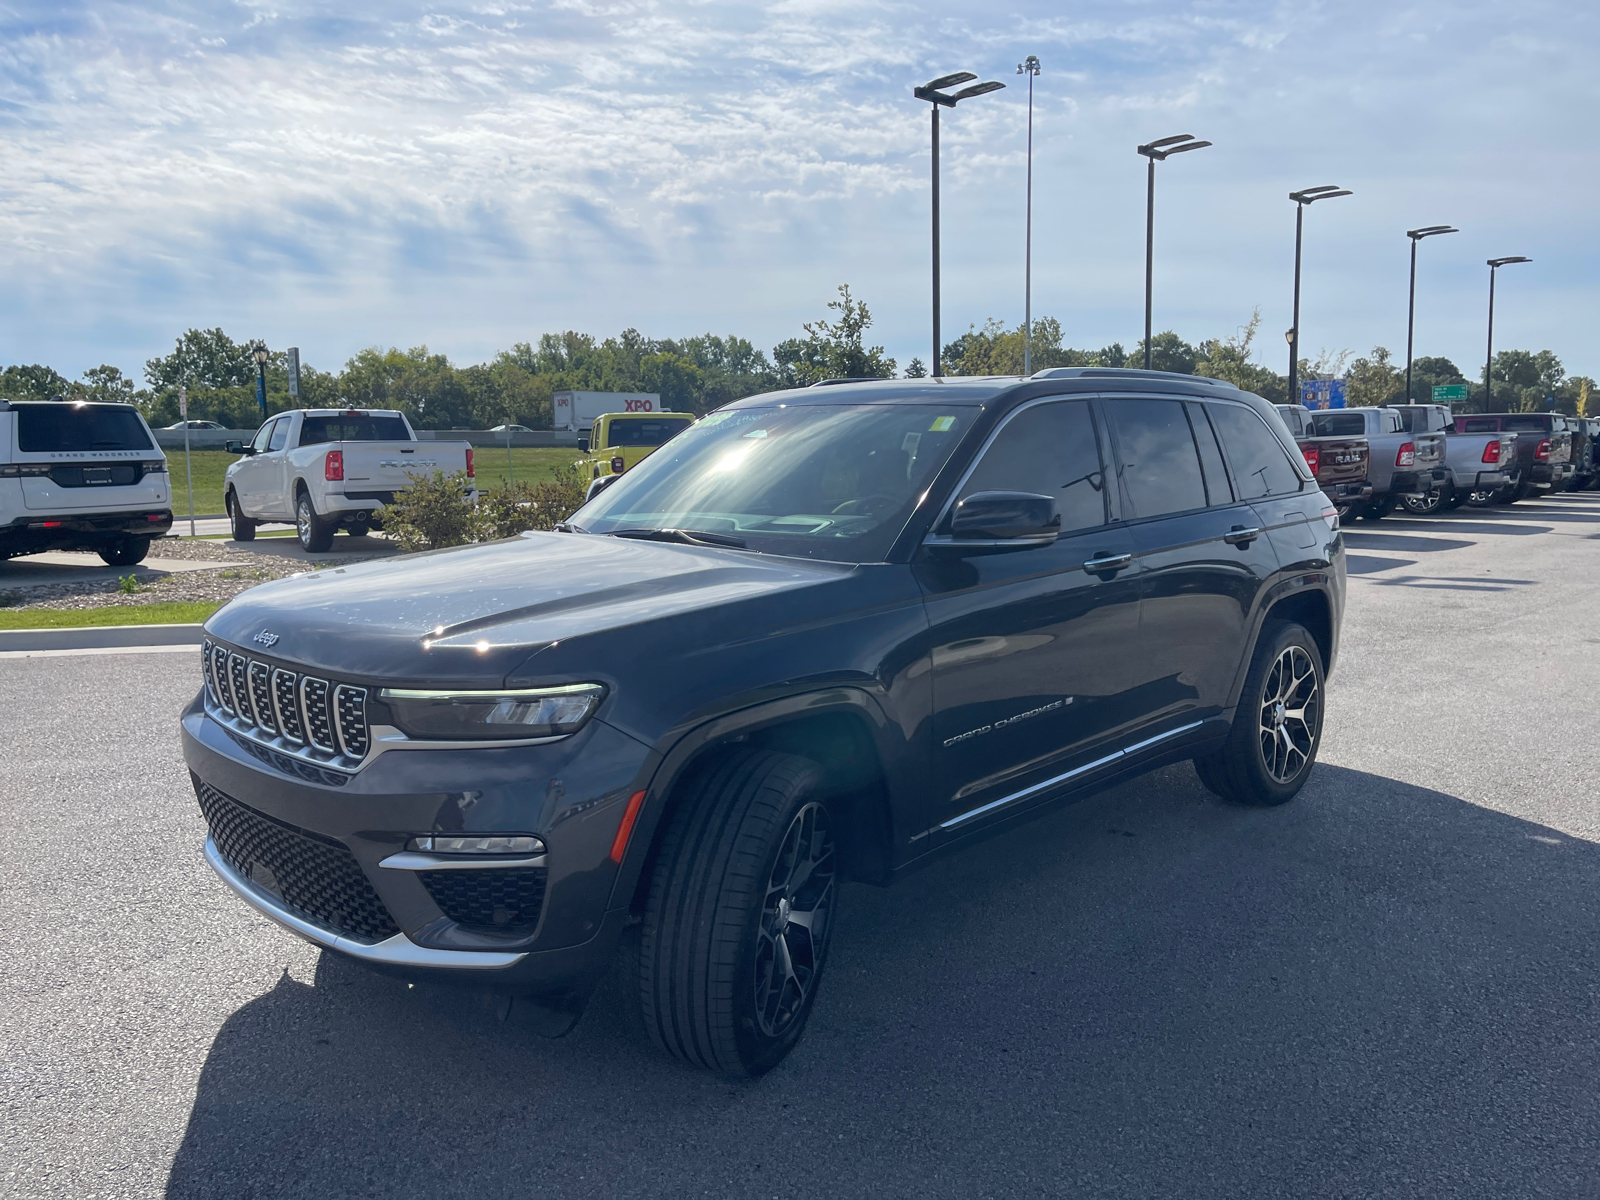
(1339, 463)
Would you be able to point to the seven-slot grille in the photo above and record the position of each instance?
(299, 713)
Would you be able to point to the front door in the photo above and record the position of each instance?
(250, 475)
(1031, 646)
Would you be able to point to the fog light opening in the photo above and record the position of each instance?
(502, 844)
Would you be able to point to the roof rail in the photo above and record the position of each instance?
(851, 379)
(1127, 373)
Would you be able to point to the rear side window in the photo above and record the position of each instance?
(344, 428)
(1156, 456)
(1261, 466)
(62, 427)
(1330, 424)
(280, 435)
(1050, 450)
(643, 433)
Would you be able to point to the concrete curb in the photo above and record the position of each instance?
(99, 637)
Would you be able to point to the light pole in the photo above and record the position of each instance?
(261, 354)
(1029, 67)
(933, 92)
(1301, 199)
(1157, 151)
(1488, 381)
(1416, 235)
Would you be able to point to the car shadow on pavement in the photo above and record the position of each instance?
(1377, 989)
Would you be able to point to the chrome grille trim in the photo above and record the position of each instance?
(207, 673)
(286, 704)
(261, 696)
(239, 685)
(350, 719)
(302, 716)
(219, 675)
(317, 714)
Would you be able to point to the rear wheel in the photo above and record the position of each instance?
(125, 551)
(1378, 509)
(1455, 499)
(1343, 508)
(739, 915)
(1277, 727)
(242, 528)
(358, 529)
(316, 535)
(1426, 506)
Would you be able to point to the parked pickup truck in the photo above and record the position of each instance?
(619, 442)
(1586, 471)
(324, 469)
(1339, 463)
(1479, 466)
(1401, 464)
(1544, 449)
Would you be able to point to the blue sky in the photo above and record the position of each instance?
(467, 176)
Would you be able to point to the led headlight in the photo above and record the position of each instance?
(507, 713)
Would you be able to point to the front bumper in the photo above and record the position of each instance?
(569, 793)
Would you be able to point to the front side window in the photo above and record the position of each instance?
(1156, 456)
(1261, 465)
(262, 434)
(826, 481)
(1051, 450)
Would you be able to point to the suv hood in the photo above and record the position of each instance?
(470, 615)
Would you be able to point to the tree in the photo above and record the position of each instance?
(1168, 352)
(107, 384)
(203, 359)
(1374, 380)
(1228, 359)
(833, 349)
(33, 382)
(916, 370)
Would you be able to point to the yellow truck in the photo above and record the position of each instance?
(617, 442)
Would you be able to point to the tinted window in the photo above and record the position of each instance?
(643, 433)
(280, 434)
(1468, 425)
(1329, 424)
(1218, 490)
(1051, 450)
(345, 428)
(49, 428)
(1527, 424)
(1261, 466)
(1156, 456)
(1293, 418)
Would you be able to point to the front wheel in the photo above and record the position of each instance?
(316, 535)
(1278, 725)
(739, 915)
(240, 527)
(125, 551)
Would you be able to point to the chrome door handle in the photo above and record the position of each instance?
(1107, 562)
(1240, 536)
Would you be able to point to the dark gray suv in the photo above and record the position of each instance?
(822, 635)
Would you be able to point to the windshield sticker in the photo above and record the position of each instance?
(942, 425)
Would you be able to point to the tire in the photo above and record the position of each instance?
(125, 551)
(316, 535)
(1343, 509)
(1511, 495)
(1378, 509)
(1455, 499)
(358, 529)
(711, 943)
(1269, 752)
(1485, 499)
(242, 528)
(1428, 505)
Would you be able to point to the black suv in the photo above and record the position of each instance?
(821, 635)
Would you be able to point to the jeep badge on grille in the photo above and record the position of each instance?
(266, 638)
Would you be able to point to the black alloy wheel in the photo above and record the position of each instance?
(125, 550)
(739, 916)
(242, 528)
(316, 535)
(1277, 727)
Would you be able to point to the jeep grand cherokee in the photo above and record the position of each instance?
(822, 635)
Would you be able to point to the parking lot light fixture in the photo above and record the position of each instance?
(936, 94)
(1416, 235)
(1302, 199)
(1157, 151)
(261, 354)
(1488, 381)
(1029, 67)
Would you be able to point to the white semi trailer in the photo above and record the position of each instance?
(575, 411)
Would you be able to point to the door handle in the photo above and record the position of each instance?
(1240, 536)
(1111, 563)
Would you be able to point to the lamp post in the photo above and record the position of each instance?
(1488, 382)
(1029, 67)
(261, 354)
(933, 92)
(1301, 199)
(1416, 235)
(1157, 151)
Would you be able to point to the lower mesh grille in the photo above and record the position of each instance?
(315, 876)
(497, 900)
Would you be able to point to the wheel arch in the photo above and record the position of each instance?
(1304, 599)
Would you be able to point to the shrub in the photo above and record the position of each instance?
(431, 513)
(512, 508)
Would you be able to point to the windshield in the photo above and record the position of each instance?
(834, 482)
(65, 427)
(346, 428)
(632, 431)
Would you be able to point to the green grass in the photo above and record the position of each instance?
(531, 464)
(117, 614)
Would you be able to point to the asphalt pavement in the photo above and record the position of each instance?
(1390, 986)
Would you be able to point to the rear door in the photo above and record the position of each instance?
(1032, 648)
(91, 457)
(1287, 506)
(1205, 556)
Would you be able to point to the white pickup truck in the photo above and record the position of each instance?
(323, 469)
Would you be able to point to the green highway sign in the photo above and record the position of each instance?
(1449, 393)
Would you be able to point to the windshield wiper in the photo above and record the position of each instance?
(689, 537)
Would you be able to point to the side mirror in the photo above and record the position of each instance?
(583, 445)
(1026, 518)
(233, 447)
